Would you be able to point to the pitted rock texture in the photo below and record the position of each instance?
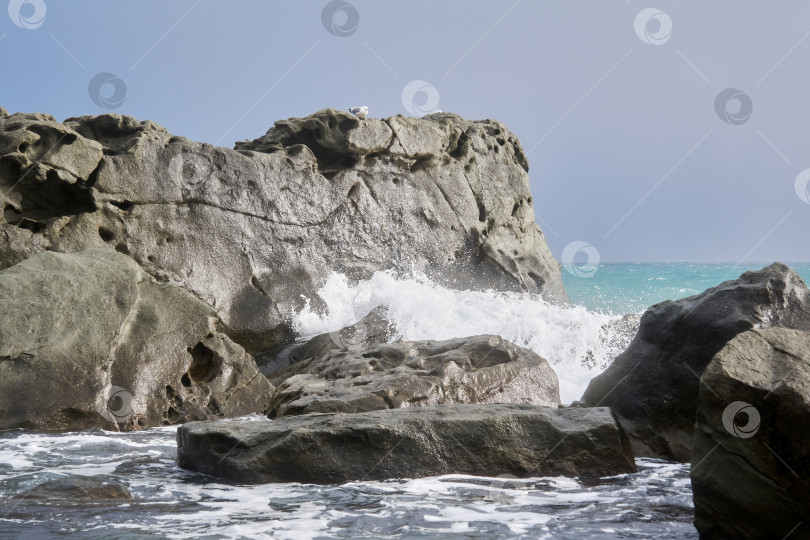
(340, 376)
(254, 232)
(90, 340)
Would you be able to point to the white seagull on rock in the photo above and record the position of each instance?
(360, 112)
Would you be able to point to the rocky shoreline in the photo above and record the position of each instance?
(149, 280)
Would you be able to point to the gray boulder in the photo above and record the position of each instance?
(255, 231)
(90, 340)
(350, 376)
(521, 440)
(653, 386)
(751, 458)
(78, 488)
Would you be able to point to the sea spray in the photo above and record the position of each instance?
(578, 343)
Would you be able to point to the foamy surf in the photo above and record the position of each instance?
(578, 343)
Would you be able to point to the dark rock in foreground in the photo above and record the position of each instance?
(484, 440)
(344, 376)
(751, 459)
(653, 386)
(90, 340)
(85, 488)
(254, 231)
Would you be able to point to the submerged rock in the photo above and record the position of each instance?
(653, 386)
(84, 488)
(90, 340)
(344, 373)
(487, 440)
(751, 457)
(256, 231)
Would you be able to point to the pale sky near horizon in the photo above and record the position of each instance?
(630, 150)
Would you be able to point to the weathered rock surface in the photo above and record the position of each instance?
(89, 339)
(354, 377)
(751, 458)
(85, 488)
(521, 440)
(253, 231)
(374, 328)
(653, 386)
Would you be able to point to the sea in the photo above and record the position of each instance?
(578, 340)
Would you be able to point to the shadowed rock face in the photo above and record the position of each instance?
(653, 386)
(90, 340)
(751, 457)
(253, 231)
(520, 440)
(341, 376)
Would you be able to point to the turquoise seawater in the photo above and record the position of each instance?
(621, 288)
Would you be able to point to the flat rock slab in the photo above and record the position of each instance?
(486, 440)
(87, 489)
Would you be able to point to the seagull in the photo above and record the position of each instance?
(360, 112)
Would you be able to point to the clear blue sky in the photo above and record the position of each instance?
(626, 149)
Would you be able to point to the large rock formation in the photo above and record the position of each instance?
(347, 376)
(488, 440)
(254, 231)
(751, 459)
(653, 386)
(90, 340)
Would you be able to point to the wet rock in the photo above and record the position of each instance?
(83, 489)
(342, 374)
(488, 440)
(751, 457)
(653, 386)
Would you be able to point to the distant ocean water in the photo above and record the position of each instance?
(621, 288)
(578, 340)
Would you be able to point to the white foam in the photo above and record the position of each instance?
(572, 339)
